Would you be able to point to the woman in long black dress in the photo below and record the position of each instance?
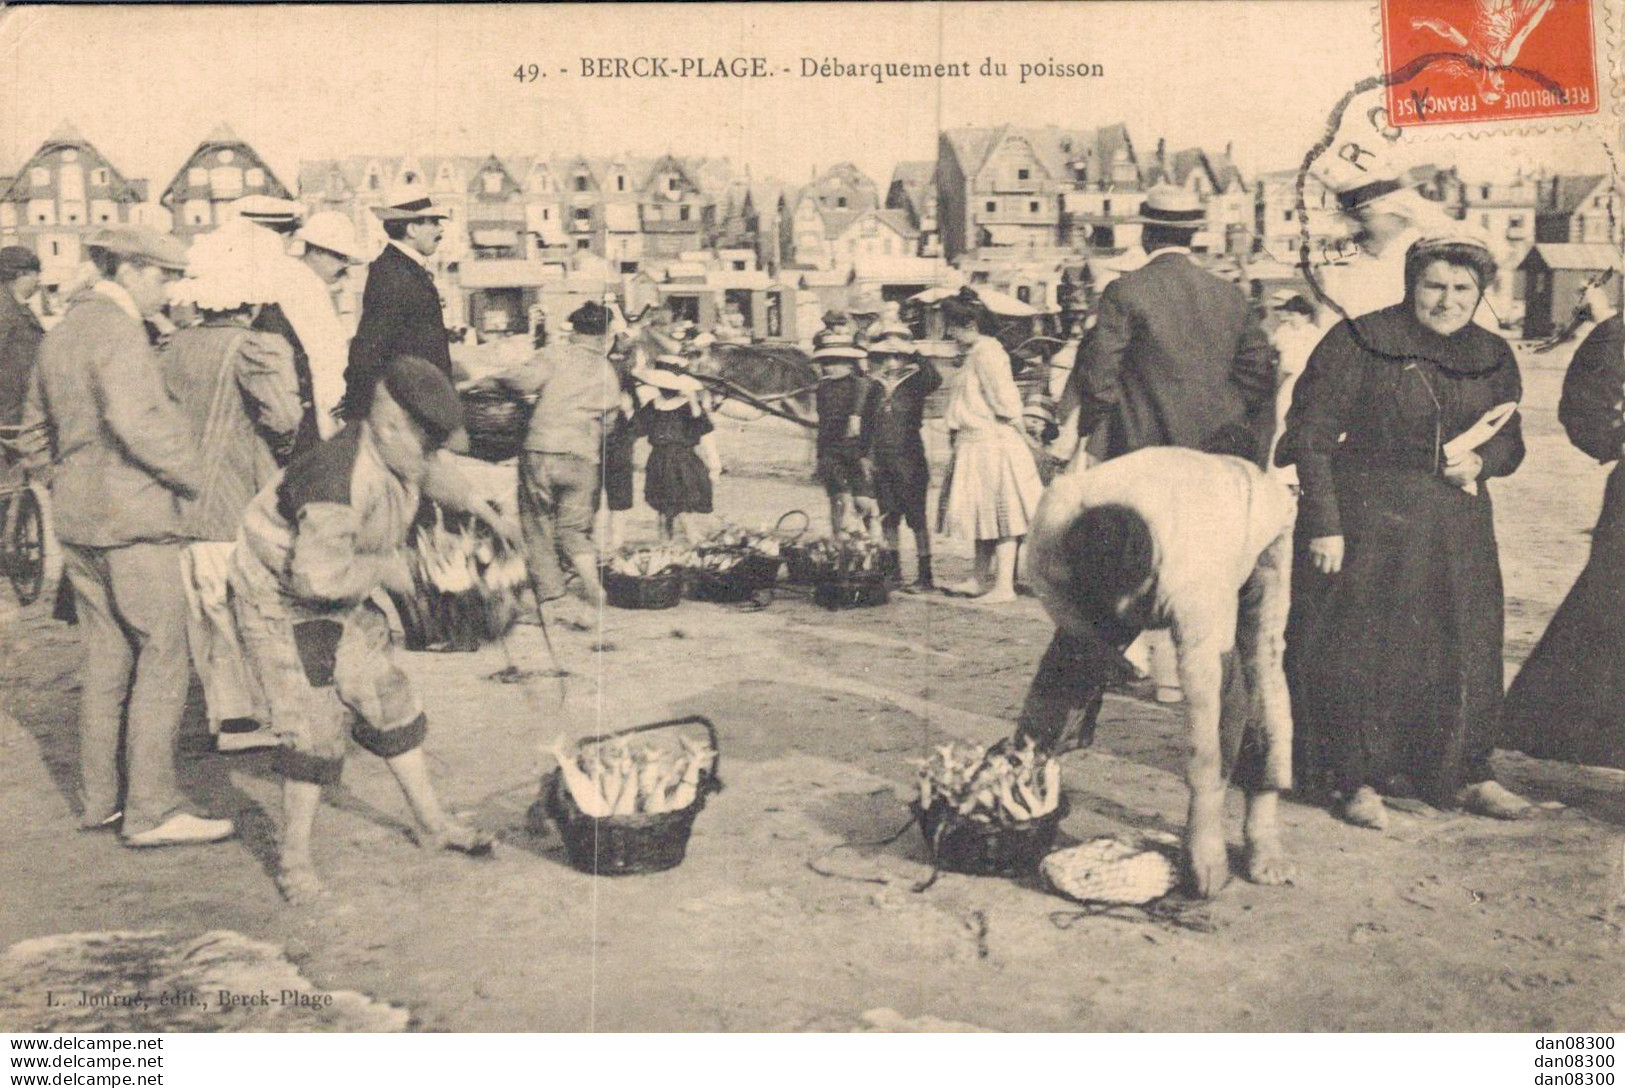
(676, 482)
(1568, 701)
(1395, 640)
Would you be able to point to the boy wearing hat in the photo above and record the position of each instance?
(400, 306)
(837, 328)
(119, 458)
(893, 415)
(840, 403)
(316, 543)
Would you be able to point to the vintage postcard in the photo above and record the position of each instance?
(827, 517)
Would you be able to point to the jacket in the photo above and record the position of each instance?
(20, 335)
(400, 315)
(576, 389)
(113, 445)
(1176, 358)
(1592, 410)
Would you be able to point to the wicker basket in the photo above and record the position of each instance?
(496, 420)
(663, 590)
(836, 592)
(741, 582)
(624, 845)
(963, 845)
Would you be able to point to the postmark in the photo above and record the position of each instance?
(1453, 62)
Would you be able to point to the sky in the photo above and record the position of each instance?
(146, 83)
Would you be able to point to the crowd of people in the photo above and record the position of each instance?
(1307, 514)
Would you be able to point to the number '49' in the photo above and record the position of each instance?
(527, 73)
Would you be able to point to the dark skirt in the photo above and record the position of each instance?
(1568, 701)
(616, 469)
(1395, 662)
(675, 480)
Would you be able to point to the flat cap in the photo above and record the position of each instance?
(163, 250)
(426, 394)
(16, 260)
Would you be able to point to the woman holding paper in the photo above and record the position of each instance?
(1395, 643)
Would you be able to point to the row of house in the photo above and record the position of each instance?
(1020, 208)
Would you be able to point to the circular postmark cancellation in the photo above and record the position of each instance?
(1462, 61)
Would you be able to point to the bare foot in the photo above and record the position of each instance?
(300, 885)
(1209, 864)
(1266, 861)
(1365, 809)
(970, 587)
(1490, 798)
(997, 596)
(462, 838)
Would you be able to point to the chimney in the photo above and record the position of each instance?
(1229, 148)
(1162, 148)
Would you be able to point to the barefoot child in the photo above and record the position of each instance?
(892, 418)
(677, 481)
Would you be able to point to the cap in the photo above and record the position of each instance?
(426, 394)
(144, 243)
(16, 261)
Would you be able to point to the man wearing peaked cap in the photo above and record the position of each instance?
(400, 307)
(119, 457)
(316, 543)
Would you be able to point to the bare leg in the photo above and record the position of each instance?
(411, 770)
(1266, 860)
(1202, 673)
(1004, 572)
(296, 875)
(586, 565)
(977, 583)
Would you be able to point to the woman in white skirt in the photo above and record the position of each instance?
(992, 487)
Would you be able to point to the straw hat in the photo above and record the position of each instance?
(409, 200)
(668, 379)
(268, 211)
(1171, 206)
(893, 340)
(335, 233)
(835, 354)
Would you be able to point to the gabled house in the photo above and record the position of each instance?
(496, 211)
(222, 169)
(878, 232)
(676, 214)
(913, 190)
(812, 217)
(64, 191)
(1583, 209)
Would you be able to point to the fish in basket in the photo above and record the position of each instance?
(848, 571)
(625, 802)
(646, 578)
(496, 417)
(467, 583)
(989, 812)
(735, 564)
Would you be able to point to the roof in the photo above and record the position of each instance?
(123, 189)
(1055, 148)
(1579, 256)
(1569, 191)
(917, 172)
(898, 220)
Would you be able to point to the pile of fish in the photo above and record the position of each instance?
(649, 562)
(844, 555)
(614, 778)
(1008, 785)
(469, 577)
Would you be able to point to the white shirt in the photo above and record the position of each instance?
(109, 289)
(307, 303)
(418, 258)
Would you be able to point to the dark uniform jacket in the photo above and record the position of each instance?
(400, 315)
(1176, 358)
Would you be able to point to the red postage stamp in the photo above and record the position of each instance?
(1462, 61)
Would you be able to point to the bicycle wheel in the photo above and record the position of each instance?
(25, 550)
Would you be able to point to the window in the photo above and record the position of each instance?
(409, 177)
(581, 215)
(582, 243)
(99, 176)
(840, 202)
(493, 182)
(1515, 221)
(620, 183)
(255, 178)
(1023, 174)
(227, 182)
(1106, 206)
(40, 175)
(1484, 192)
(73, 211)
(1024, 293)
(1033, 206)
(629, 268)
(372, 181)
(70, 183)
(1484, 220)
(197, 175)
(227, 155)
(580, 183)
(671, 184)
(682, 213)
(739, 266)
(992, 206)
(42, 211)
(1286, 215)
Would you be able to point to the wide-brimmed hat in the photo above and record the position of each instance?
(17, 261)
(892, 340)
(864, 307)
(662, 378)
(409, 200)
(163, 250)
(237, 264)
(333, 232)
(268, 211)
(1171, 206)
(831, 354)
(834, 317)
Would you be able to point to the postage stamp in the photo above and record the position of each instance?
(1463, 61)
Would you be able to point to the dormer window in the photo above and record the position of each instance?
(671, 184)
(1023, 174)
(840, 202)
(372, 181)
(580, 183)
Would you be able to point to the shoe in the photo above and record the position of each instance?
(182, 829)
(106, 823)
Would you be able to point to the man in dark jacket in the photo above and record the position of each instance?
(400, 306)
(20, 331)
(1176, 357)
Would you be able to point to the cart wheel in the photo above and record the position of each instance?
(25, 548)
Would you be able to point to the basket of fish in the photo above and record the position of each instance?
(467, 582)
(646, 578)
(734, 564)
(625, 802)
(989, 812)
(847, 571)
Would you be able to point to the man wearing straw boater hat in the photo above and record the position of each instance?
(400, 307)
(1176, 357)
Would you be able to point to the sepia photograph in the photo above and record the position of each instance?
(836, 518)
